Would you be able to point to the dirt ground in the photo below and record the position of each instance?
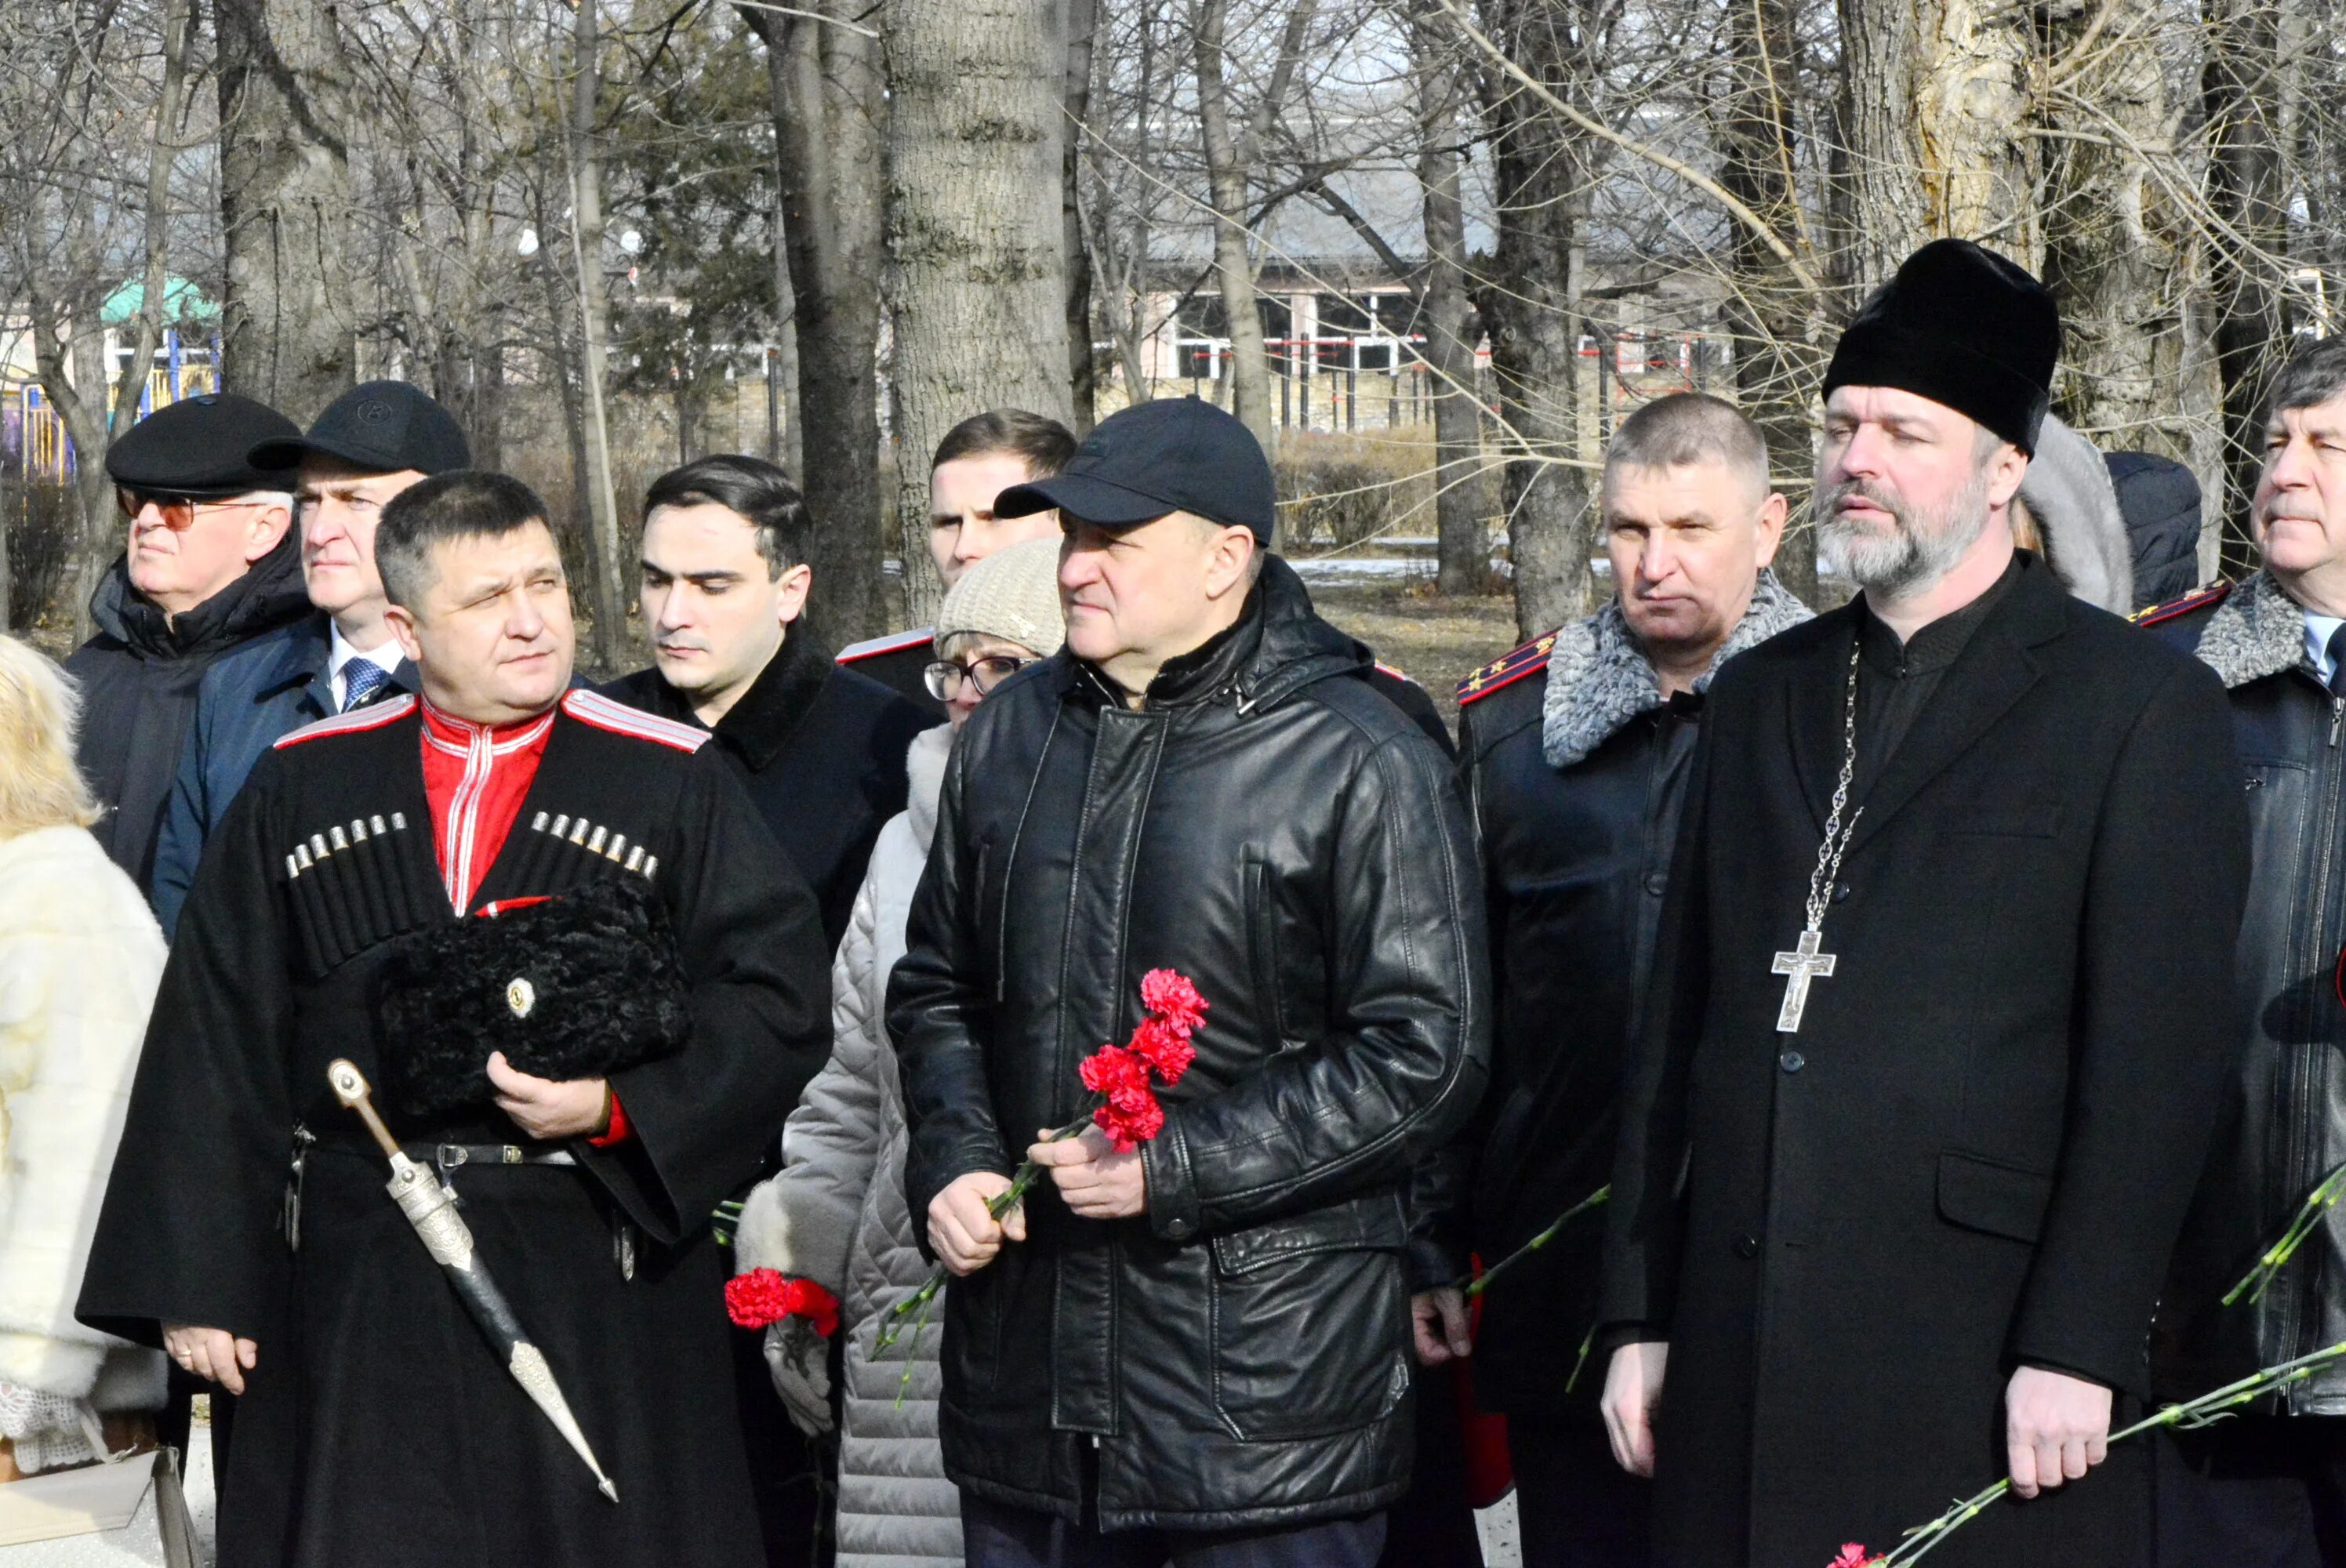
(1435, 641)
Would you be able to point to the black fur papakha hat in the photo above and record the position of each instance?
(578, 987)
(1962, 326)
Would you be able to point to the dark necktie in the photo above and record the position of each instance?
(363, 681)
(2338, 661)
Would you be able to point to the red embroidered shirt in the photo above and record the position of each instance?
(475, 776)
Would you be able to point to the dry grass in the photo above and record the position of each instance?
(1436, 641)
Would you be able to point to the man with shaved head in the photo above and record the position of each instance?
(1575, 751)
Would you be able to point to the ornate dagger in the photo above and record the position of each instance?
(430, 1208)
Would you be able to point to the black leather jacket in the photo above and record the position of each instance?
(1272, 828)
(2284, 1126)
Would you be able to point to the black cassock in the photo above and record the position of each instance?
(1976, 1152)
(378, 1428)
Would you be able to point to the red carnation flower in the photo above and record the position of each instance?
(1167, 993)
(812, 1302)
(1853, 1555)
(762, 1297)
(1111, 1068)
(1164, 1048)
(1131, 1117)
(756, 1298)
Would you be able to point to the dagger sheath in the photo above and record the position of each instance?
(430, 1208)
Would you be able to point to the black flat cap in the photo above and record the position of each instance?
(1962, 326)
(1175, 454)
(196, 447)
(377, 427)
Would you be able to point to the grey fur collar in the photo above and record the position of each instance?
(2256, 632)
(1598, 679)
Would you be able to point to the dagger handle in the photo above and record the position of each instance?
(351, 1088)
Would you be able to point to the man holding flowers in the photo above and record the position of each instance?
(1191, 1337)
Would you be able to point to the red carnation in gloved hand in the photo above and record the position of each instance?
(762, 1297)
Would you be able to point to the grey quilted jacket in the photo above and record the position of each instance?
(836, 1215)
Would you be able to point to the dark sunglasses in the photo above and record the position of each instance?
(944, 676)
(177, 512)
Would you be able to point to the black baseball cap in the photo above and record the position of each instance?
(197, 448)
(380, 427)
(1174, 454)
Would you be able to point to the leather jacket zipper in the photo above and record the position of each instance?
(2303, 1325)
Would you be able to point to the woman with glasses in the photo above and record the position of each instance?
(836, 1215)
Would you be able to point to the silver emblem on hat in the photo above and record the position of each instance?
(520, 997)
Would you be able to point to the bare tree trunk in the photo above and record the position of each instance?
(1083, 371)
(830, 129)
(1528, 308)
(2117, 247)
(288, 323)
(1462, 546)
(1768, 311)
(1229, 149)
(96, 411)
(610, 645)
(1934, 110)
(974, 231)
(2240, 90)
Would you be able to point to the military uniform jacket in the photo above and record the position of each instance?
(1977, 1151)
(378, 1428)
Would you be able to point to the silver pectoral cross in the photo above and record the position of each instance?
(1799, 967)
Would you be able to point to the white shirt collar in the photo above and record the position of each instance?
(386, 657)
(2318, 632)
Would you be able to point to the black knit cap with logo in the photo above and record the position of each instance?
(1962, 326)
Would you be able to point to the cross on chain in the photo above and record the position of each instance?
(1799, 966)
(1805, 963)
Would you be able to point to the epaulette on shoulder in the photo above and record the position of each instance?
(1528, 659)
(894, 642)
(373, 717)
(593, 708)
(2205, 598)
(1393, 670)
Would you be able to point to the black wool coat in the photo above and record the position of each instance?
(1977, 1151)
(820, 750)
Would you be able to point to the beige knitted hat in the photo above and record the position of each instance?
(1014, 594)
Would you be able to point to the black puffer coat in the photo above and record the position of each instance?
(138, 676)
(1273, 828)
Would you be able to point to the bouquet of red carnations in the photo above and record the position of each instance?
(1123, 1079)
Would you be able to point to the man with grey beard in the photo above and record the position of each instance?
(1938, 1023)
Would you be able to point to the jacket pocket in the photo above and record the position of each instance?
(1311, 1322)
(1262, 940)
(2001, 1200)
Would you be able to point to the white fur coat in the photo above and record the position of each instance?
(80, 957)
